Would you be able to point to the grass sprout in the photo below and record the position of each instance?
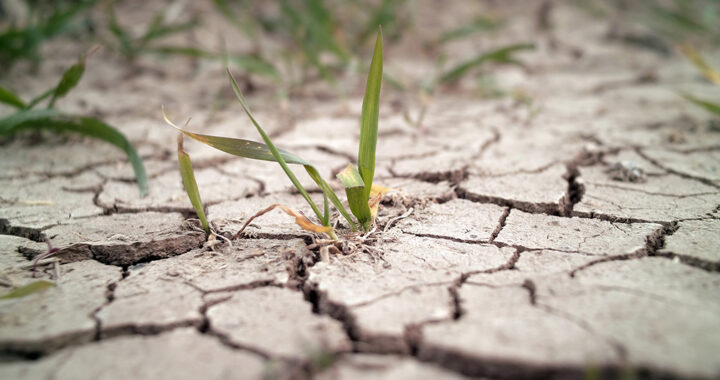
(27, 117)
(191, 187)
(358, 182)
(23, 40)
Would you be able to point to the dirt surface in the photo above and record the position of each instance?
(516, 242)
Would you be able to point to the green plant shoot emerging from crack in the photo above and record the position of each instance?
(358, 181)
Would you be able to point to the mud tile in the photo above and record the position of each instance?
(283, 328)
(545, 191)
(695, 239)
(180, 354)
(588, 236)
(501, 329)
(122, 239)
(457, 219)
(385, 367)
(59, 316)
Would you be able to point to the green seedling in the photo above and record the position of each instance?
(478, 25)
(710, 73)
(23, 41)
(133, 46)
(33, 287)
(358, 182)
(504, 55)
(27, 117)
(191, 187)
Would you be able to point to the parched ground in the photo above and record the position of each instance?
(517, 242)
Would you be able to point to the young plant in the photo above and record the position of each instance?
(27, 117)
(43, 23)
(191, 187)
(358, 182)
(133, 46)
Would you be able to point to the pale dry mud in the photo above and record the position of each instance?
(577, 236)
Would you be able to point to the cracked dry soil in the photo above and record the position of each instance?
(522, 256)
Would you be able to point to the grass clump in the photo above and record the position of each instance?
(358, 181)
(21, 40)
(27, 117)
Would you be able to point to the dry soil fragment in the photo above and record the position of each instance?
(123, 239)
(588, 236)
(702, 164)
(381, 325)
(545, 191)
(663, 313)
(58, 316)
(56, 157)
(502, 334)
(408, 261)
(696, 239)
(457, 219)
(363, 366)
(277, 322)
(36, 203)
(179, 354)
(663, 198)
(534, 265)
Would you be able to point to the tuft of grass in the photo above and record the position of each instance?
(358, 183)
(131, 47)
(504, 55)
(27, 117)
(23, 40)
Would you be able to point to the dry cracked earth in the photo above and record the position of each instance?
(576, 237)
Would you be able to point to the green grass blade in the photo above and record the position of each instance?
(53, 120)
(28, 289)
(40, 98)
(480, 24)
(191, 187)
(707, 105)
(369, 119)
(328, 191)
(356, 195)
(239, 147)
(8, 97)
(70, 79)
(502, 55)
(275, 152)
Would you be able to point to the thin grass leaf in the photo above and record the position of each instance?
(259, 151)
(40, 98)
(70, 79)
(356, 195)
(707, 105)
(502, 55)
(480, 24)
(191, 187)
(279, 158)
(238, 147)
(8, 97)
(53, 120)
(28, 289)
(369, 118)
